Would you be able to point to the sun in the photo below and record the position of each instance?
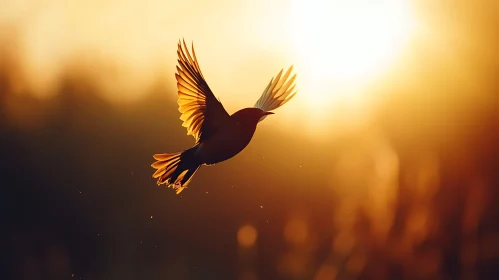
(341, 46)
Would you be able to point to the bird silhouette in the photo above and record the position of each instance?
(219, 136)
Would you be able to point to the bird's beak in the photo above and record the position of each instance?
(267, 113)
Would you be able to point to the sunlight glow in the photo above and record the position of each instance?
(340, 50)
(341, 46)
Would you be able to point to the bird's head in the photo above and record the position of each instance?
(250, 116)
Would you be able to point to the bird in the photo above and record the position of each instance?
(218, 135)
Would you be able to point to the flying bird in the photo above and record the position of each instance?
(219, 136)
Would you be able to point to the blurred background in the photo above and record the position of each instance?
(384, 166)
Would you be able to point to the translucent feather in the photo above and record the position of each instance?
(278, 92)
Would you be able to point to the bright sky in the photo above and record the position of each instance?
(339, 48)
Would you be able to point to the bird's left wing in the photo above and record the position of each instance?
(278, 92)
(201, 112)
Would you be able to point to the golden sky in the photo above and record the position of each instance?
(343, 51)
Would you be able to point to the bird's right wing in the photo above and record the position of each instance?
(278, 92)
(201, 112)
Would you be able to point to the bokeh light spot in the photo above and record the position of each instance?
(246, 236)
(326, 272)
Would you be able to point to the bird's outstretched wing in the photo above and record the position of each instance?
(202, 113)
(279, 91)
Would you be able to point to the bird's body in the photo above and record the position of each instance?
(219, 136)
(226, 143)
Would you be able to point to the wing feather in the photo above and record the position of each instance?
(278, 92)
(202, 114)
(187, 91)
(185, 76)
(184, 83)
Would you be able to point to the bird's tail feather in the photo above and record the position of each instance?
(175, 169)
